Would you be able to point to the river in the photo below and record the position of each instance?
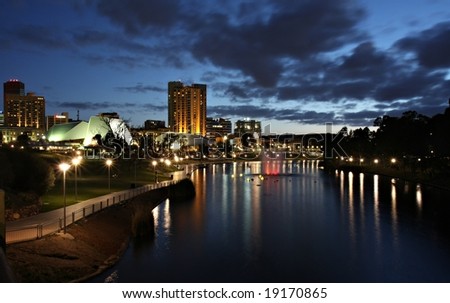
(292, 221)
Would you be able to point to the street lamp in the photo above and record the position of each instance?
(109, 163)
(75, 162)
(64, 167)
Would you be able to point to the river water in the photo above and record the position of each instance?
(294, 222)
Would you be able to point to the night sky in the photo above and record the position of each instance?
(294, 65)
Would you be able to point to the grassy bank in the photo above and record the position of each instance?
(92, 179)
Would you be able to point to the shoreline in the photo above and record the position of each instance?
(442, 183)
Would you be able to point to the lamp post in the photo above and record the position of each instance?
(64, 167)
(109, 163)
(75, 162)
(154, 163)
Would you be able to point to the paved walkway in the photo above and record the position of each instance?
(34, 227)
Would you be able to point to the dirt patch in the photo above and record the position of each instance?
(97, 242)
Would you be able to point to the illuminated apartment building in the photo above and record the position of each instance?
(218, 127)
(247, 126)
(22, 110)
(187, 108)
(57, 119)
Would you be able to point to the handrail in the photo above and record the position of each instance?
(45, 227)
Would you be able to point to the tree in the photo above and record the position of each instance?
(23, 140)
(25, 173)
(404, 136)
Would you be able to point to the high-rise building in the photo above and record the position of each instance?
(154, 124)
(57, 119)
(187, 108)
(247, 127)
(13, 87)
(218, 127)
(22, 110)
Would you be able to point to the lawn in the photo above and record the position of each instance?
(92, 180)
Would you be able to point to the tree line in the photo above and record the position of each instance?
(411, 135)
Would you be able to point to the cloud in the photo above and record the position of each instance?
(126, 110)
(134, 16)
(417, 83)
(297, 30)
(253, 38)
(364, 117)
(431, 46)
(87, 37)
(127, 61)
(268, 113)
(140, 88)
(84, 105)
(42, 36)
(155, 107)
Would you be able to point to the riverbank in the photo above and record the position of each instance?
(88, 247)
(439, 178)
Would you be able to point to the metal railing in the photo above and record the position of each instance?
(37, 231)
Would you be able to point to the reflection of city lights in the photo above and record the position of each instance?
(419, 196)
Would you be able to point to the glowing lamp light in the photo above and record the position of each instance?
(64, 167)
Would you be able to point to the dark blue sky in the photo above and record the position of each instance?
(292, 64)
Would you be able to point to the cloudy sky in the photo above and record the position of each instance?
(293, 64)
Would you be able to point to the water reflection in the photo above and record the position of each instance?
(351, 210)
(419, 198)
(299, 225)
(376, 206)
(394, 214)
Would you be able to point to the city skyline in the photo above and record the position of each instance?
(295, 66)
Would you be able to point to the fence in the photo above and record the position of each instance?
(36, 231)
